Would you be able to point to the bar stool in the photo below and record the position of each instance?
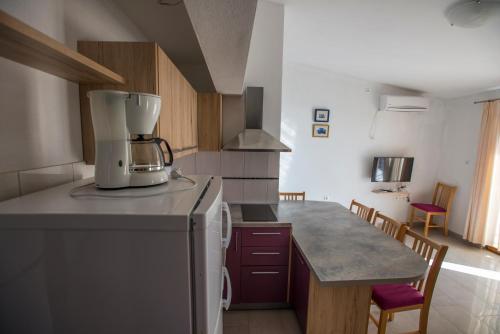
(362, 211)
(393, 298)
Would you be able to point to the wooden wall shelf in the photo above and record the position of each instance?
(23, 44)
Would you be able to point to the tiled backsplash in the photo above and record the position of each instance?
(230, 165)
(233, 165)
(13, 184)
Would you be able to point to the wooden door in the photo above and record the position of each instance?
(167, 91)
(209, 121)
(178, 114)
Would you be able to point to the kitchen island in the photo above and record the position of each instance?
(345, 256)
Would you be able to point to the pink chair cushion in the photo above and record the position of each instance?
(428, 207)
(389, 296)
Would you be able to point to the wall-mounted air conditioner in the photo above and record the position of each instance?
(403, 103)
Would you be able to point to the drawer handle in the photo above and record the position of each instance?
(266, 233)
(265, 272)
(266, 253)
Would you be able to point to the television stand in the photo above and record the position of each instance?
(402, 194)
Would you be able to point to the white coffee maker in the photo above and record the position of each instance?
(123, 156)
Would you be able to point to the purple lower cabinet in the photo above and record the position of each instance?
(264, 284)
(299, 292)
(233, 262)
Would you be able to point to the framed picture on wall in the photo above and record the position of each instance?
(321, 130)
(322, 115)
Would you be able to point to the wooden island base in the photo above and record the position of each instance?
(337, 309)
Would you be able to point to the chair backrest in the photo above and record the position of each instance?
(389, 226)
(362, 211)
(443, 195)
(290, 196)
(429, 251)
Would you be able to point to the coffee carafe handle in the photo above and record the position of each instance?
(171, 159)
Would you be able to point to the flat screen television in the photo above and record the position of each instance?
(392, 169)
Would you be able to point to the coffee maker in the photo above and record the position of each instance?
(124, 156)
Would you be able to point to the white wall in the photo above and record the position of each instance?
(40, 137)
(459, 151)
(41, 118)
(265, 61)
(339, 167)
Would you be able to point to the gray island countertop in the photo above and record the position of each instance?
(343, 250)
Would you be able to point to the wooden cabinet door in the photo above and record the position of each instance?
(300, 287)
(233, 263)
(177, 117)
(209, 121)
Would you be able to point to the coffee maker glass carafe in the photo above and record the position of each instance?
(148, 155)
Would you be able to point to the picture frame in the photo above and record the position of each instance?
(322, 115)
(321, 130)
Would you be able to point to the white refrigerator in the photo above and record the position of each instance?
(146, 260)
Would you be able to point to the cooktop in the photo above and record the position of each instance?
(257, 213)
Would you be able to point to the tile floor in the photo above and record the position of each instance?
(466, 300)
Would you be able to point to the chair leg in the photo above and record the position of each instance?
(424, 318)
(411, 216)
(382, 323)
(391, 316)
(445, 231)
(428, 219)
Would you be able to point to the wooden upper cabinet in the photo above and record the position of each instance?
(147, 69)
(209, 121)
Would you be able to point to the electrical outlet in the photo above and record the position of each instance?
(325, 198)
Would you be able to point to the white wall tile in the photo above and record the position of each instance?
(232, 163)
(208, 163)
(273, 164)
(255, 191)
(42, 178)
(232, 191)
(82, 171)
(9, 185)
(273, 191)
(256, 164)
(187, 164)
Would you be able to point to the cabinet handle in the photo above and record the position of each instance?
(266, 233)
(236, 243)
(265, 272)
(266, 253)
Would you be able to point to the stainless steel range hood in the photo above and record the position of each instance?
(253, 138)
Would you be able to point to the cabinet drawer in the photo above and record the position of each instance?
(266, 284)
(265, 236)
(264, 256)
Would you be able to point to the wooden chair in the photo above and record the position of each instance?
(440, 206)
(293, 196)
(389, 226)
(393, 298)
(362, 211)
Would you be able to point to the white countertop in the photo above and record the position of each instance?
(143, 208)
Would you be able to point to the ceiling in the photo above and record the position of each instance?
(171, 28)
(406, 43)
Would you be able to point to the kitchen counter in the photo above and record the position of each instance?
(340, 248)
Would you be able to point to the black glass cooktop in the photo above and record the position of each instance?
(257, 213)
